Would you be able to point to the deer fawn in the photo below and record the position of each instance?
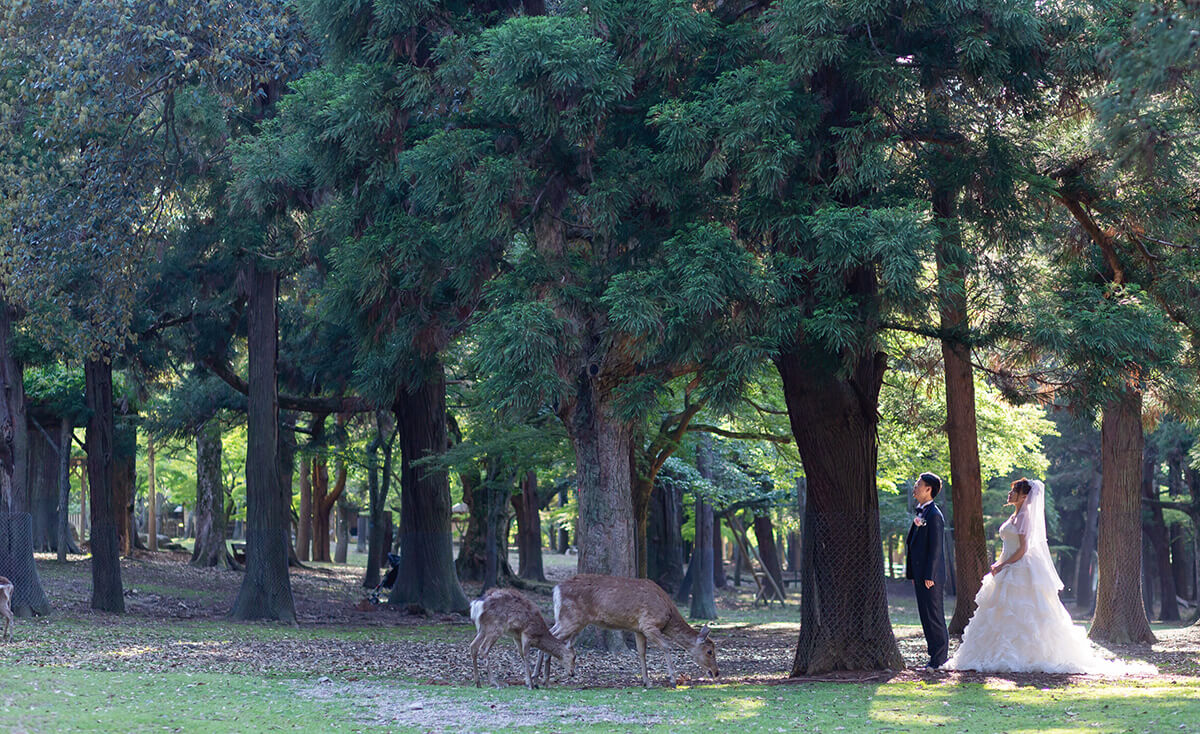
(638, 605)
(6, 592)
(507, 611)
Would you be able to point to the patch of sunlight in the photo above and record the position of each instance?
(911, 718)
(132, 651)
(734, 709)
(788, 626)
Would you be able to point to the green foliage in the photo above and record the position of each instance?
(93, 150)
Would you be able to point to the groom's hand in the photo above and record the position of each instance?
(928, 583)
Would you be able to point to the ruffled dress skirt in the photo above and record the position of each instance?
(1020, 626)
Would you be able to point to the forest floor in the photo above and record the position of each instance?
(347, 669)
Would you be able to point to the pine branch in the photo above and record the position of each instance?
(740, 435)
(289, 402)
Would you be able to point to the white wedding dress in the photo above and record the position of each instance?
(1020, 626)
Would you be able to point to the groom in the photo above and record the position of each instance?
(925, 566)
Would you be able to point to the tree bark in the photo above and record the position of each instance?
(14, 423)
(341, 531)
(664, 538)
(125, 484)
(377, 492)
(844, 610)
(764, 535)
(42, 487)
(472, 551)
(966, 483)
(1181, 561)
(704, 605)
(529, 530)
(305, 523)
(212, 523)
(287, 473)
(426, 576)
(107, 592)
(1085, 570)
(1156, 531)
(266, 591)
(718, 554)
(497, 492)
(602, 442)
(1120, 615)
(151, 499)
(66, 429)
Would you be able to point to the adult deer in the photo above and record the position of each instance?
(6, 592)
(506, 611)
(637, 605)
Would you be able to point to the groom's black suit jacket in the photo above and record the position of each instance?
(924, 560)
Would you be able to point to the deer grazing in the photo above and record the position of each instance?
(638, 605)
(507, 611)
(6, 593)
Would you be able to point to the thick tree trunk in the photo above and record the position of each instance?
(1085, 570)
(125, 483)
(1120, 615)
(529, 530)
(266, 591)
(1156, 531)
(472, 552)
(844, 610)
(764, 536)
(704, 604)
(14, 423)
(107, 593)
(497, 492)
(211, 520)
(605, 533)
(664, 539)
(16, 524)
(426, 575)
(43, 487)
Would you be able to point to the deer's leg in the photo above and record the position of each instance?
(641, 651)
(662, 642)
(485, 650)
(523, 650)
(543, 659)
(475, 645)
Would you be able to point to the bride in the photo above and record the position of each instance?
(1020, 626)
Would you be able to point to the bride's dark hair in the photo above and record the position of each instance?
(1022, 485)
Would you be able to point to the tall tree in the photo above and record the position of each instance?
(85, 209)
(266, 591)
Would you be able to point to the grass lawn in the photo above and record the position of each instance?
(173, 662)
(40, 699)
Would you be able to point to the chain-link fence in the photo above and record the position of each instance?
(16, 564)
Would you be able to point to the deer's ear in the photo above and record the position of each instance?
(703, 634)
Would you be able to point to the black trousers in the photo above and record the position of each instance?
(933, 621)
